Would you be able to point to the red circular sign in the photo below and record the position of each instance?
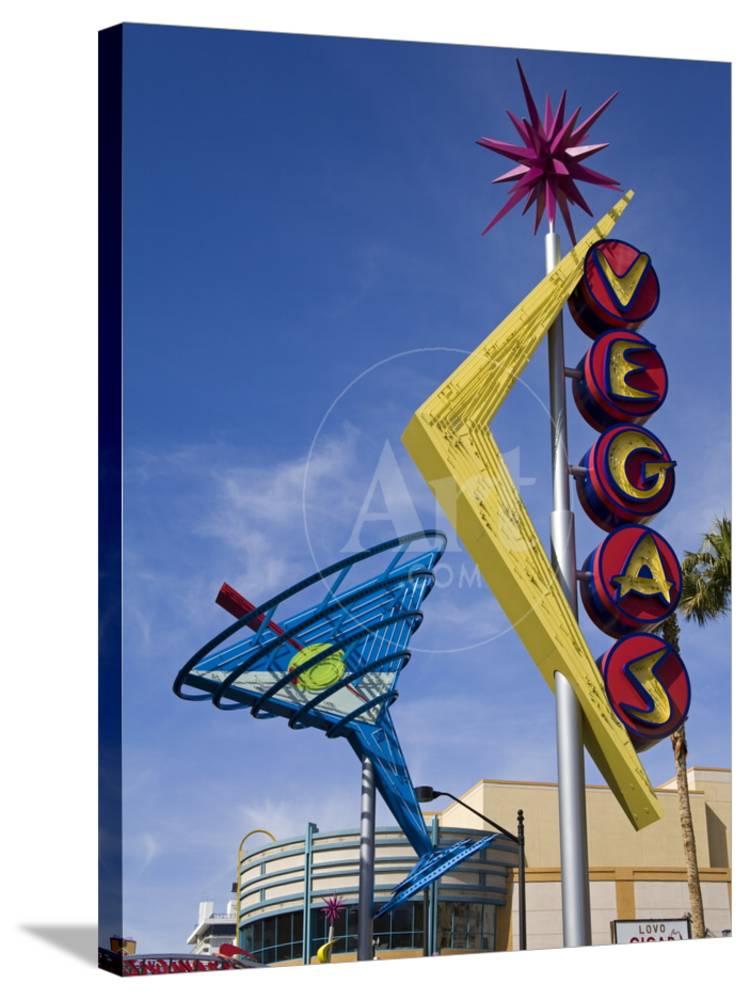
(648, 687)
(618, 288)
(635, 581)
(628, 478)
(622, 378)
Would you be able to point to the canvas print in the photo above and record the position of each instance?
(414, 500)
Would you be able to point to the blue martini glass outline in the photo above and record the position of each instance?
(406, 585)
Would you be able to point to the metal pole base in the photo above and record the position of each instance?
(366, 863)
(574, 867)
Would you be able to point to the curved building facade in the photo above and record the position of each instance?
(284, 885)
(632, 876)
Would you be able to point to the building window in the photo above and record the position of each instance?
(461, 927)
(220, 930)
(402, 928)
(466, 926)
(274, 939)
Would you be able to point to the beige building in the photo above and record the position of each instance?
(632, 876)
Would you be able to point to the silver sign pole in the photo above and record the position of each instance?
(574, 868)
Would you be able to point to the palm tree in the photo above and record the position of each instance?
(707, 584)
(706, 595)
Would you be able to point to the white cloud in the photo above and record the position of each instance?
(334, 809)
(139, 851)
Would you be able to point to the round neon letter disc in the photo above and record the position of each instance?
(629, 477)
(648, 687)
(623, 378)
(635, 581)
(619, 288)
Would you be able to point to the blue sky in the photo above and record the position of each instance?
(301, 214)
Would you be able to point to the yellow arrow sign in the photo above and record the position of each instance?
(449, 438)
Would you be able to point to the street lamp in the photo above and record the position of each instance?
(425, 793)
(247, 836)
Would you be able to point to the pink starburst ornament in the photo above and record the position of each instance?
(334, 907)
(549, 161)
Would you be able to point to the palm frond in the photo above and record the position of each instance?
(707, 575)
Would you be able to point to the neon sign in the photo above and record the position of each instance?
(632, 581)
(622, 378)
(648, 687)
(167, 964)
(451, 441)
(619, 288)
(628, 477)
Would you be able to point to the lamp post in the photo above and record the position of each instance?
(312, 829)
(247, 836)
(425, 793)
(521, 881)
